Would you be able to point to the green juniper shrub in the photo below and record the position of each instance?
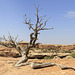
(67, 51)
(49, 57)
(44, 50)
(73, 54)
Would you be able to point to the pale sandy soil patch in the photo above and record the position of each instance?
(7, 67)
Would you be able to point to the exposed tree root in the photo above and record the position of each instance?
(22, 64)
(36, 66)
(22, 60)
(43, 65)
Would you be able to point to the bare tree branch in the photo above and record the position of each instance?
(45, 23)
(28, 23)
(16, 38)
(4, 38)
(11, 43)
(46, 29)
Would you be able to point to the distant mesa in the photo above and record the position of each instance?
(48, 46)
(5, 41)
(73, 44)
(23, 42)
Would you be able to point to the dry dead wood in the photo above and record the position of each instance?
(42, 65)
(22, 64)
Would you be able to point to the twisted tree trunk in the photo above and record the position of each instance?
(25, 51)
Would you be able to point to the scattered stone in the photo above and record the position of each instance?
(56, 57)
(68, 57)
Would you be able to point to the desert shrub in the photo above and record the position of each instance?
(38, 48)
(73, 54)
(32, 50)
(53, 51)
(49, 57)
(44, 50)
(50, 50)
(67, 51)
(56, 51)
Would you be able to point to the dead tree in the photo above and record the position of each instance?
(33, 36)
(40, 25)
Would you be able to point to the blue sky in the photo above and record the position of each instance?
(61, 13)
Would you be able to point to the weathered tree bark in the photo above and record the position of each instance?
(36, 66)
(24, 58)
(44, 65)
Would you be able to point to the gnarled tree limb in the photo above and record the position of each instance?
(42, 65)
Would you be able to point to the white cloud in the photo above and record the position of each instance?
(70, 14)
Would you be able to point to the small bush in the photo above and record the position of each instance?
(49, 57)
(73, 54)
(44, 50)
(67, 51)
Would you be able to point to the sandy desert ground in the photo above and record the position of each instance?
(7, 67)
